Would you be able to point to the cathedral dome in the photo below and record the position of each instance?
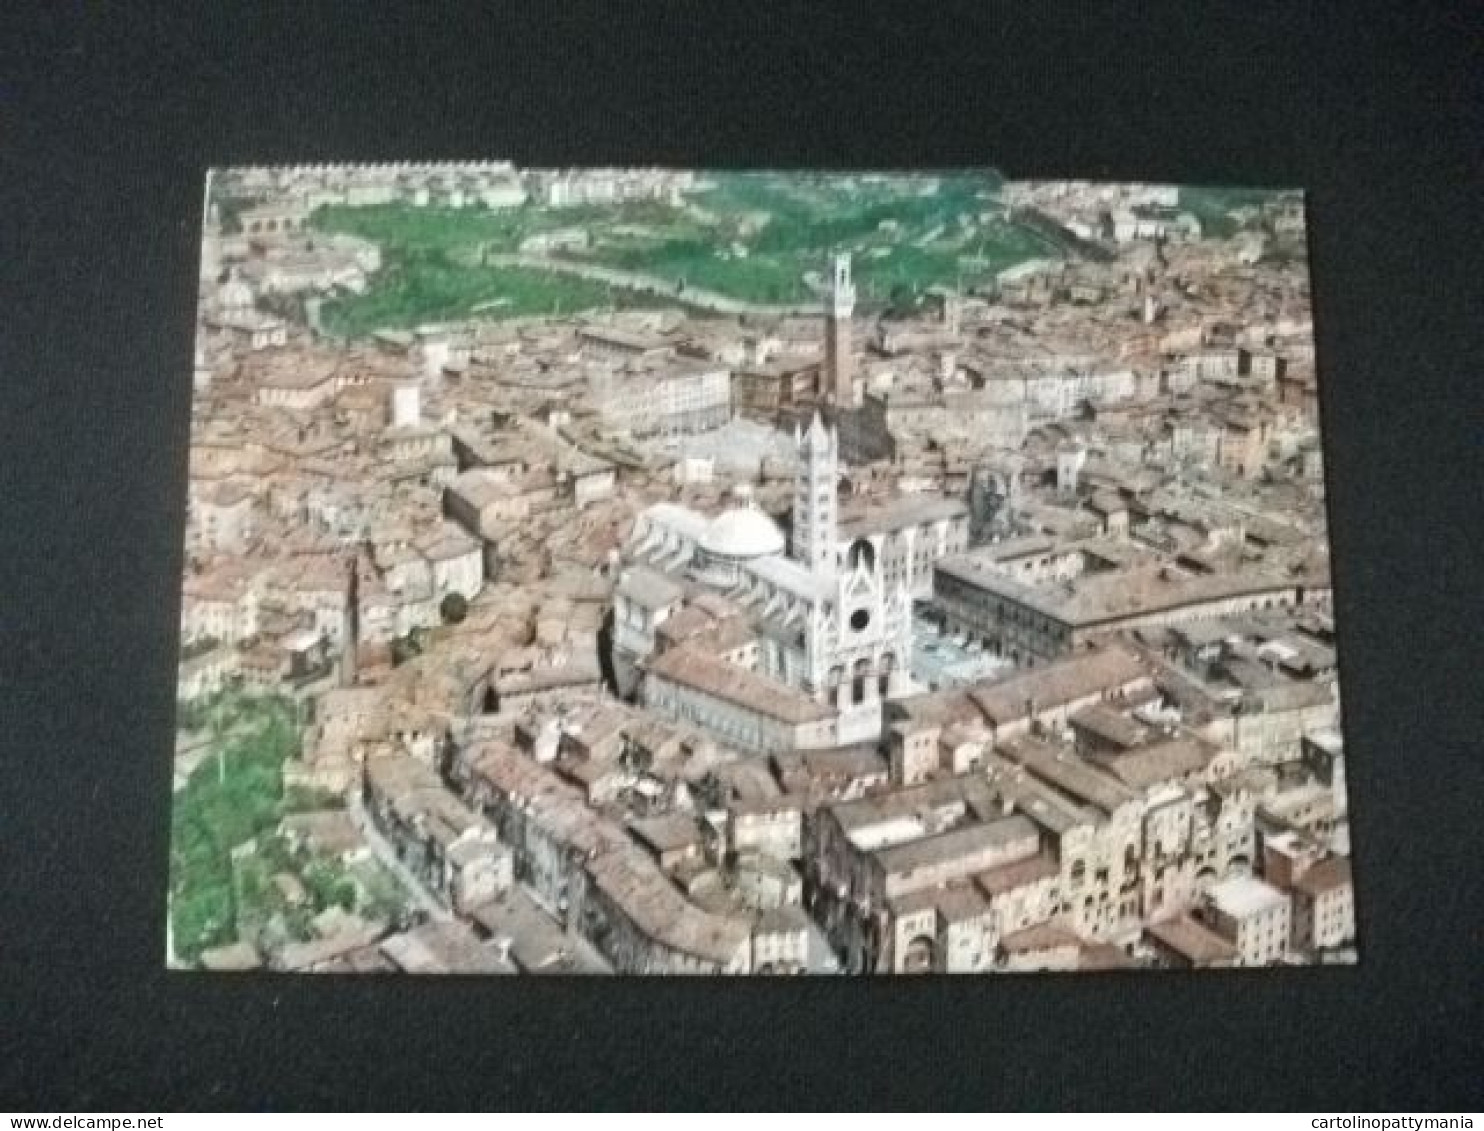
(742, 533)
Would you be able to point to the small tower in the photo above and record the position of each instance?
(434, 349)
(815, 498)
(947, 367)
(839, 374)
(211, 244)
(952, 312)
(989, 499)
(1070, 459)
(407, 409)
(350, 634)
(201, 373)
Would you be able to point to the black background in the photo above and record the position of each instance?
(108, 119)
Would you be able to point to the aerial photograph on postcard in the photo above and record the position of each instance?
(657, 571)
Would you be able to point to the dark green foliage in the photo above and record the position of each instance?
(453, 608)
(428, 288)
(710, 791)
(236, 801)
(328, 885)
(407, 647)
(302, 799)
(234, 795)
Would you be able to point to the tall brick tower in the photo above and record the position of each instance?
(839, 372)
(350, 624)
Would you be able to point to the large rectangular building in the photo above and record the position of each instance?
(1253, 917)
(743, 709)
(1036, 614)
(679, 401)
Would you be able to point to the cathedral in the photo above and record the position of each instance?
(829, 615)
(828, 622)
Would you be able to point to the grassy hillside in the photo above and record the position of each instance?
(235, 799)
(761, 237)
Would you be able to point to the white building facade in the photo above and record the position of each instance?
(831, 624)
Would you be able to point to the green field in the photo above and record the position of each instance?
(905, 234)
(759, 237)
(432, 269)
(429, 287)
(236, 797)
(404, 228)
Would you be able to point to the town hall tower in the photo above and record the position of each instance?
(838, 379)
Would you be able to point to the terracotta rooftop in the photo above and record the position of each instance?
(1008, 877)
(656, 907)
(903, 859)
(1193, 940)
(1329, 874)
(1065, 681)
(746, 689)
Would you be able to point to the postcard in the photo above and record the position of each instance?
(655, 571)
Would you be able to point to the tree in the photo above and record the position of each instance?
(453, 608)
(636, 758)
(711, 791)
(406, 647)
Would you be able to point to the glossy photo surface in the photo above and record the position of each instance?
(655, 571)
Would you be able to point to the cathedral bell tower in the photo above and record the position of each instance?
(838, 379)
(815, 501)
